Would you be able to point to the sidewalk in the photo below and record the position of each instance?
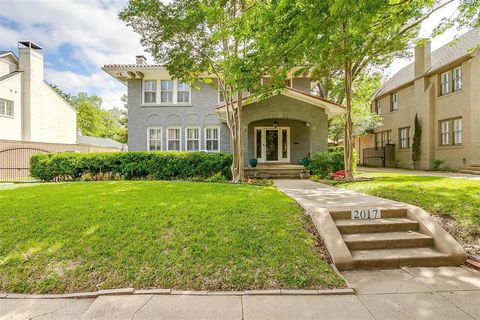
(420, 173)
(414, 293)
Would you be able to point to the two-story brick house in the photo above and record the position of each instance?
(441, 87)
(165, 114)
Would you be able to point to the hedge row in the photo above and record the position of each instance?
(130, 165)
(323, 164)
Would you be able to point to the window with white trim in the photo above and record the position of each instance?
(404, 138)
(457, 131)
(394, 102)
(154, 138)
(457, 78)
(445, 83)
(166, 91)
(445, 132)
(150, 91)
(212, 139)
(183, 92)
(193, 139)
(173, 139)
(6, 108)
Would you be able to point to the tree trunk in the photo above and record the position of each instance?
(348, 145)
(237, 141)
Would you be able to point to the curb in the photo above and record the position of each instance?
(131, 291)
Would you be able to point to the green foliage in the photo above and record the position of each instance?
(93, 120)
(83, 236)
(364, 86)
(437, 164)
(417, 140)
(130, 165)
(323, 164)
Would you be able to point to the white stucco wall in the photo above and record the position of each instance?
(52, 119)
(7, 66)
(10, 89)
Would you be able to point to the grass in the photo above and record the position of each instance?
(453, 197)
(87, 236)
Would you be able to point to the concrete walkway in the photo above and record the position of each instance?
(414, 293)
(421, 173)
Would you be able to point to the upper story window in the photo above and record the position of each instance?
(150, 91)
(394, 101)
(451, 132)
(166, 91)
(445, 83)
(193, 139)
(154, 138)
(6, 108)
(457, 78)
(183, 92)
(404, 138)
(451, 81)
(173, 139)
(378, 107)
(212, 139)
(221, 96)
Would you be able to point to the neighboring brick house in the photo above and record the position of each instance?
(443, 88)
(165, 114)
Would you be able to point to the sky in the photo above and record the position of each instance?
(80, 36)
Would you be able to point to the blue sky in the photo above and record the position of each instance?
(80, 36)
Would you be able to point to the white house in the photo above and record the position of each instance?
(30, 110)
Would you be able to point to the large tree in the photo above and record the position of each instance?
(349, 36)
(203, 41)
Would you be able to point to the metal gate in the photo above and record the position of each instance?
(374, 157)
(379, 156)
(15, 163)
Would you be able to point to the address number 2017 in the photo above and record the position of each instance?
(366, 214)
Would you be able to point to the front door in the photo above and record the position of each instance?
(272, 144)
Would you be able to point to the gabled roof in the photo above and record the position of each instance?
(9, 54)
(332, 109)
(449, 53)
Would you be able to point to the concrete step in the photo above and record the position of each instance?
(470, 171)
(386, 213)
(387, 240)
(376, 225)
(396, 258)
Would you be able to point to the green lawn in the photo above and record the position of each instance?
(457, 198)
(153, 234)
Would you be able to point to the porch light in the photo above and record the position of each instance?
(275, 124)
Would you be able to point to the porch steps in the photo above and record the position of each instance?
(471, 170)
(281, 171)
(390, 242)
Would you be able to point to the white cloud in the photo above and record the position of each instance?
(91, 28)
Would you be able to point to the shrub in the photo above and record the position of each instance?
(130, 165)
(323, 164)
(338, 175)
(437, 164)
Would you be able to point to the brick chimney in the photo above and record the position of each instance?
(423, 56)
(141, 60)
